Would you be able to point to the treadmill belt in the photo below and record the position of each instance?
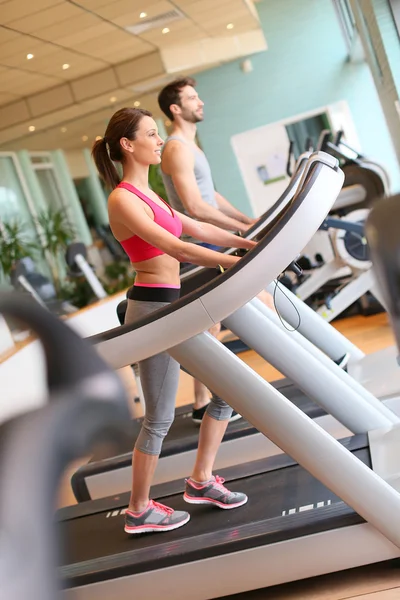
(284, 502)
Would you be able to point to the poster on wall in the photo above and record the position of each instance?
(262, 156)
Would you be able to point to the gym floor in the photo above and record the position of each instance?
(377, 582)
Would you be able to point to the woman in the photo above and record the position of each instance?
(149, 230)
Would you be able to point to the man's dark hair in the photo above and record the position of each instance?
(170, 94)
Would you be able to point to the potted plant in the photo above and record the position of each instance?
(14, 245)
(56, 233)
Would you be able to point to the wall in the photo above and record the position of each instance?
(77, 164)
(303, 69)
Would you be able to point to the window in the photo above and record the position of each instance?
(395, 6)
(347, 22)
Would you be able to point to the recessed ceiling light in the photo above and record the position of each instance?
(29, 56)
(143, 15)
(167, 123)
(31, 128)
(113, 99)
(63, 129)
(230, 26)
(65, 66)
(98, 138)
(85, 138)
(165, 30)
(136, 104)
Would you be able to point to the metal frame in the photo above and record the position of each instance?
(307, 322)
(274, 416)
(318, 376)
(311, 447)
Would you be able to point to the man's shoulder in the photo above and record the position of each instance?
(177, 150)
(175, 143)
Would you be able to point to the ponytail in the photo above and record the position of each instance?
(104, 164)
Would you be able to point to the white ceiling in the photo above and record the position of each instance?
(86, 62)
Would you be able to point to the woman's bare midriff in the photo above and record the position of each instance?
(158, 270)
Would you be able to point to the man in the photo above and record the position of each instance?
(189, 185)
(185, 169)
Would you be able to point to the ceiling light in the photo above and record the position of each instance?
(65, 66)
(230, 26)
(165, 30)
(113, 99)
(85, 138)
(98, 138)
(63, 129)
(29, 56)
(136, 104)
(167, 123)
(143, 15)
(31, 128)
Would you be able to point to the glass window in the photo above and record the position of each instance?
(14, 204)
(395, 6)
(48, 184)
(347, 21)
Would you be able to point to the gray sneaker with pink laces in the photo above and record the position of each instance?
(155, 517)
(213, 492)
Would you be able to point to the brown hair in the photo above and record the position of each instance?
(170, 95)
(123, 123)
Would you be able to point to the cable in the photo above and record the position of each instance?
(277, 282)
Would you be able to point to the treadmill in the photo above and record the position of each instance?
(328, 512)
(315, 394)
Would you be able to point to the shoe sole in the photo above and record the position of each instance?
(191, 500)
(153, 528)
(231, 420)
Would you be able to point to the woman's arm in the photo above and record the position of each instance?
(205, 232)
(129, 211)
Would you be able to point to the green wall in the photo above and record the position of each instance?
(304, 68)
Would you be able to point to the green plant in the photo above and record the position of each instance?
(77, 291)
(57, 232)
(119, 276)
(14, 245)
(156, 182)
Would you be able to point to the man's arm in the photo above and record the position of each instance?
(178, 163)
(230, 211)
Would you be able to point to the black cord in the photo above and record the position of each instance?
(281, 287)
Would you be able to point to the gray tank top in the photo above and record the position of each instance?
(203, 176)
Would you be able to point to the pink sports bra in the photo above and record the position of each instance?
(138, 249)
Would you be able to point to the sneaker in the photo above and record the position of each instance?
(198, 414)
(213, 492)
(156, 517)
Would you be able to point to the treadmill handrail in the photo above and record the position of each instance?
(268, 215)
(205, 301)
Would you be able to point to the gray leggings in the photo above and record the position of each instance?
(159, 376)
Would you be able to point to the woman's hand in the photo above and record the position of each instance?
(247, 244)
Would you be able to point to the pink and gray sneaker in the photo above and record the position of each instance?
(213, 492)
(155, 517)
